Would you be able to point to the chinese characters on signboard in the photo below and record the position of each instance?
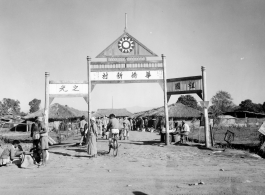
(105, 75)
(68, 88)
(119, 75)
(191, 85)
(177, 86)
(184, 85)
(134, 75)
(127, 75)
(63, 88)
(148, 74)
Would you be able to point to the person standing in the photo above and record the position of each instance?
(92, 138)
(163, 125)
(163, 129)
(141, 123)
(113, 127)
(185, 132)
(146, 124)
(131, 124)
(82, 129)
(104, 125)
(127, 127)
(35, 133)
(99, 124)
(121, 128)
(43, 139)
(137, 124)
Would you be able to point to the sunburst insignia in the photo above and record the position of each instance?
(126, 44)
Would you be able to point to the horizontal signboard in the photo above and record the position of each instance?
(127, 75)
(77, 89)
(184, 84)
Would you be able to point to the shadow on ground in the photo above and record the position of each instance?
(152, 142)
(63, 145)
(78, 149)
(139, 193)
(102, 153)
(60, 153)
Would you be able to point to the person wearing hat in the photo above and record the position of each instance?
(82, 124)
(92, 138)
(184, 132)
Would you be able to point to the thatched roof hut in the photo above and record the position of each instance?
(58, 112)
(177, 110)
(118, 112)
(245, 114)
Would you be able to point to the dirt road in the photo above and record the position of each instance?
(141, 167)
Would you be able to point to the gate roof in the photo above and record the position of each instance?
(126, 46)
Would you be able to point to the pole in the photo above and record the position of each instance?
(125, 22)
(165, 98)
(88, 93)
(46, 107)
(208, 143)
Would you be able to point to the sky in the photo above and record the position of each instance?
(227, 37)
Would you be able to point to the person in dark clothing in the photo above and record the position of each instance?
(146, 124)
(35, 133)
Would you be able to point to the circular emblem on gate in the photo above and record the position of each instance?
(126, 44)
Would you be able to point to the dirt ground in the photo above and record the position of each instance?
(143, 166)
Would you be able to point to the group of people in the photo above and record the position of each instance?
(124, 126)
(104, 126)
(39, 134)
(109, 126)
(183, 130)
(89, 135)
(11, 153)
(39, 151)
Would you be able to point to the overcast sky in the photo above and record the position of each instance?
(227, 37)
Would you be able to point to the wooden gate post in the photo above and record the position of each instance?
(208, 142)
(165, 98)
(47, 94)
(88, 92)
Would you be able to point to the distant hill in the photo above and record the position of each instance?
(78, 112)
(138, 109)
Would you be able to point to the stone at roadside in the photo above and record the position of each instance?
(196, 184)
(247, 181)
